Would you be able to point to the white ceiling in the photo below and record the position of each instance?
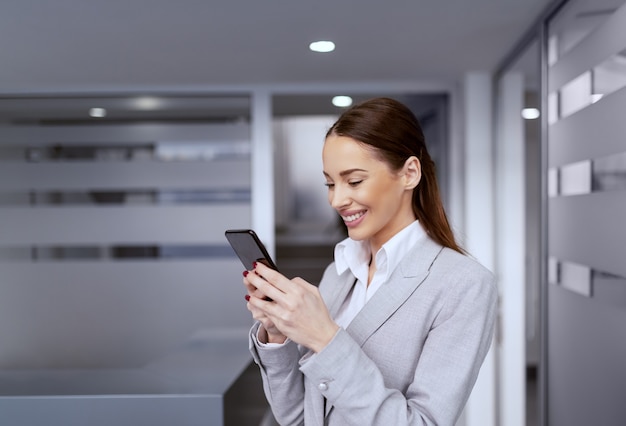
(119, 45)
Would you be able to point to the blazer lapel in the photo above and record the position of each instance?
(335, 293)
(410, 273)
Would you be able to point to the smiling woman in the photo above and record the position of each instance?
(364, 190)
(400, 307)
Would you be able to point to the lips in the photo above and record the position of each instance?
(352, 217)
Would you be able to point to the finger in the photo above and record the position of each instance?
(263, 286)
(263, 306)
(274, 277)
(252, 290)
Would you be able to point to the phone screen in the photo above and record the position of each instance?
(249, 248)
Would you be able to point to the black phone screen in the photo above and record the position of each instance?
(249, 248)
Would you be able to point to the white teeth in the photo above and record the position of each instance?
(352, 217)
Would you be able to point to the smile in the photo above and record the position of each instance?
(352, 217)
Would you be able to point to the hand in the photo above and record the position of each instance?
(268, 333)
(297, 309)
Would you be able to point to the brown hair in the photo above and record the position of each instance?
(394, 133)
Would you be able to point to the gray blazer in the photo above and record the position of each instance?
(410, 356)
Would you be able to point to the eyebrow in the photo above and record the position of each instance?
(346, 172)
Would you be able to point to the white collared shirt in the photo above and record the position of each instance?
(355, 255)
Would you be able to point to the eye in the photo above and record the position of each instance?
(329, 185)
(355, 182)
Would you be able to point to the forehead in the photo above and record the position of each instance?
(342, 153)
(336, 147)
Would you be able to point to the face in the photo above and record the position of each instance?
(373, 201)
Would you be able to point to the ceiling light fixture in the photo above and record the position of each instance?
(530, 113)
(147, 103)
(98, 112)
(342, 101)
(322, 46)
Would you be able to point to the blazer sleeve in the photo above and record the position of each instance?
(283, 383)
(445, 371)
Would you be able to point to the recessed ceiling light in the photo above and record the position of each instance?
(322, 46)
(147, 103)
(530, 113)
(342, 101)
(98, 112)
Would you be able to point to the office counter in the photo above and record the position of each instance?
(209, 381)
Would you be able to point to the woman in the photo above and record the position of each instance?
(402, 319)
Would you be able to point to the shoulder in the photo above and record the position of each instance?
(466, 281)
(443, 263)
(451, 262)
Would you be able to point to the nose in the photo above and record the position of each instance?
(338, 198)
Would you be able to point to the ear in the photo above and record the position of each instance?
(412, 172)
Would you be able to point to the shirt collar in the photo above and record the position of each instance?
(355, 255)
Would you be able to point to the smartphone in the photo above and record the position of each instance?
(249, 248)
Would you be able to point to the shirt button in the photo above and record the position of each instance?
(323, 386)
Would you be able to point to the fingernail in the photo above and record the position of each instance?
(247, 297)
(253, 265)
(245, 273)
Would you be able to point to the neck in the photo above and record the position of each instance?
(377, 241)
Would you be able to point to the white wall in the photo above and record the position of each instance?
(479, 219)
(510, 250)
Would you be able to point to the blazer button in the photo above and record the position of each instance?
(323, 386)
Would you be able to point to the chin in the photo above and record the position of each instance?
(356, 235)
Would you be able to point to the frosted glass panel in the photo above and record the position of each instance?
(586, 35)
(121, 225)
(575, 178)
(142, 175)
(124, 134)
(553, 107)
(589, 229)
(104, 314)
(609, 173)
(594, 132)
(585, 313)
(553, 182)
(610, 76)
(112, 247)
(576, 278)
(576, 95)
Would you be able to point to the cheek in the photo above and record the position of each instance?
(379, 191)
(388, 193)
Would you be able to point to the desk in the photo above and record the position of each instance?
(202, 383)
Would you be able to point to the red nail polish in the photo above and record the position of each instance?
(253, 265)
(245, 273)
(247, 297)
